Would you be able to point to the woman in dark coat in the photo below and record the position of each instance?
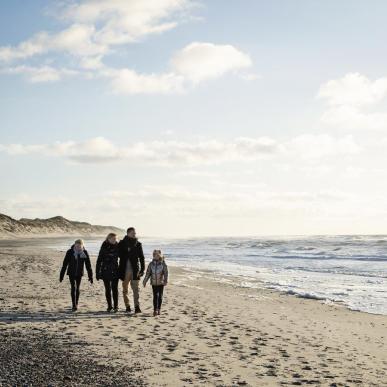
(107, 270)
(74, 261)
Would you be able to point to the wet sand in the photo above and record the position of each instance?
(210, 333)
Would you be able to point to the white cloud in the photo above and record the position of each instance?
(28, 48)
(94, 150)
(123, 21)
(126, 81)
(195, 63)
(349, 117)
(177, 153)
(77, 40)
(353, 89)
(40, 74)
(95, 26)
(257, 198)
(91, 63)
(250, 76)
(171, 201)
(350, 99)
(20, 149)
(215, 61)
(181, 211)
(310, 146)
(202, 61)
(194, 173)
(164, 153)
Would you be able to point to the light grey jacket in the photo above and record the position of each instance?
(157, 271)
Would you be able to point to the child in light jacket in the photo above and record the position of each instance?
(158, 273)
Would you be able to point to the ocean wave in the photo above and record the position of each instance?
(309, 296)
(332, 257)
(338, 271)
(305, 248)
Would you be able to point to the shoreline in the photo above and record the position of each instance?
(261, 284)
(209, 333)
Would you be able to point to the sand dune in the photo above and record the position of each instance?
(56, 226)
(210, 333)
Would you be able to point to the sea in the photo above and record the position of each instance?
(346, 270)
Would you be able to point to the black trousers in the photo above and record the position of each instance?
(75, 283)
(111, 289)
(157, 296)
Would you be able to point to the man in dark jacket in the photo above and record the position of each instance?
(131, 267)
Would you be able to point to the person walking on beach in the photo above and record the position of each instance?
(107, 270)
(74, 261)
(131, 267)
(157, 272)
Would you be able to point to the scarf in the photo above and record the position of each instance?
(79, 254)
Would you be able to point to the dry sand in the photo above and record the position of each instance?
(210, 333)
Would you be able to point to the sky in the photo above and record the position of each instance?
(196, 118)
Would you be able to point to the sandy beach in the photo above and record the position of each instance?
(211, 332)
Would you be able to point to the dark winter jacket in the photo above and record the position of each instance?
(74, 263)
(107, 262)
(130, 249)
